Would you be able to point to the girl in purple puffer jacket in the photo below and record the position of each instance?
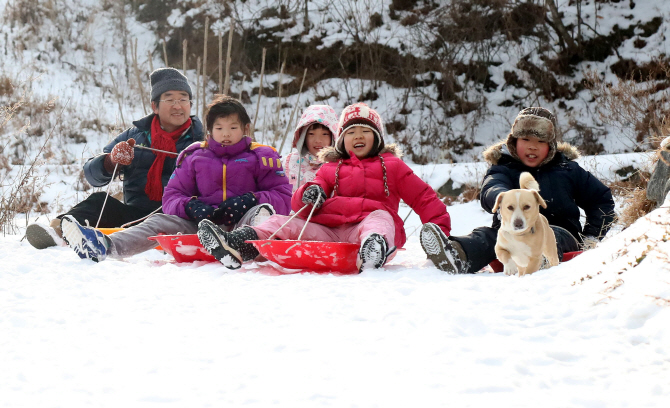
(226, 179)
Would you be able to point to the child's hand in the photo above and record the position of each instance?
(231, 211)
(198, 211)
(314, 195)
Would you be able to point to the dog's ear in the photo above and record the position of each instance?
(498, 201)
(539, 199)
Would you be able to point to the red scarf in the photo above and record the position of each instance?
(161, 140)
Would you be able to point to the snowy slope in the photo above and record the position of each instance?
(592, 332)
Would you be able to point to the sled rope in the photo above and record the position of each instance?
(106, 195)
(143, 218)
(289, 220)
(316, 204)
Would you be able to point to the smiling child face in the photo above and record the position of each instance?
(317, 138)
(360, 140)
(531, 150)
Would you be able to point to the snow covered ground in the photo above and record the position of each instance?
(592, 332)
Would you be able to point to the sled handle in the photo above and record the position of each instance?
(316, 204)
(289, 220)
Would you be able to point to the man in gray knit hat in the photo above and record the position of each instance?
(169, 128)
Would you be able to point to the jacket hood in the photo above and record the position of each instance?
(321, 114)
(330, 154)
(493, 153)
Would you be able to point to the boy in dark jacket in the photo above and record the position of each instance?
(566, 187)
(170, 128)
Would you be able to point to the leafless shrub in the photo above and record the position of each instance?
(639, 110)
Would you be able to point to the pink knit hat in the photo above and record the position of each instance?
(360, 114)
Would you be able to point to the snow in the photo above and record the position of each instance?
(592, 332)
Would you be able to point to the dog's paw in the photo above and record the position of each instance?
(510, 269)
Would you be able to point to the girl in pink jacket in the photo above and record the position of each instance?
(356, 193)
(316, 130)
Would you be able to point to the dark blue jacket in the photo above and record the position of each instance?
(135, 175)
(564, 185)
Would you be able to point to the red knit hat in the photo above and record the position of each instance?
(360, 114)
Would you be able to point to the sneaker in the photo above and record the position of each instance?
(41, 236)
(87, 242)
(229, 248)
(446, 254)
(263, 212)
(373, 252)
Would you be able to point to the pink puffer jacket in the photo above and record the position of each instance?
(355, 188)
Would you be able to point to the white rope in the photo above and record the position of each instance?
(289, 220)
(316, 204)
(107, 194)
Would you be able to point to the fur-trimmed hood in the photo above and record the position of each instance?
(330, 154)
(493, 154)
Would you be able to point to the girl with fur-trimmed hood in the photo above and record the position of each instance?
(356, 192)
(315, 131)
(531, 146)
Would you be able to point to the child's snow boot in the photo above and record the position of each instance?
(87, 242)
(229, 248)
(373, 253)
(40, 236)
(447, 255)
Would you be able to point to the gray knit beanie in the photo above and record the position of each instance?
(537, 122)
(168, 79)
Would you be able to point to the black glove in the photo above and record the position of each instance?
(198, 211)
(231, 211)
(312, 193)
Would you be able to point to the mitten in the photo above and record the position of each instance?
(231, 211)
(123, 153)
(312, 194)
(198, 211)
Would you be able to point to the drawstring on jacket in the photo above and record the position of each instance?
(337, 176)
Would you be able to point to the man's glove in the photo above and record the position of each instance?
(312, 194)
(123, 153)
(198, 211)
(589, 242)
(231, 211)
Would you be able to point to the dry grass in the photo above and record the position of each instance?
(634, 193)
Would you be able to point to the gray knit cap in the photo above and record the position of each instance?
(168, 79)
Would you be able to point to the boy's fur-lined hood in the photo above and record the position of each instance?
(330, 154)
(493, 154)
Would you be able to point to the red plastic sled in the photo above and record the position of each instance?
(184, 248)
(314, 256)
(498, 267)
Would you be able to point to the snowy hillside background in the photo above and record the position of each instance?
(589, 333)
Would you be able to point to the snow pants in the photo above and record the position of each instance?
(479, 245)
(115, 212)
(134, 240)
(378, 221)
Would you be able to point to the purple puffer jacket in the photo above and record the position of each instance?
(212, 173)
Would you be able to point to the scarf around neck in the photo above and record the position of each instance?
(161, 140)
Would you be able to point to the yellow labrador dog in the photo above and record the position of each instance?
(524, 235)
